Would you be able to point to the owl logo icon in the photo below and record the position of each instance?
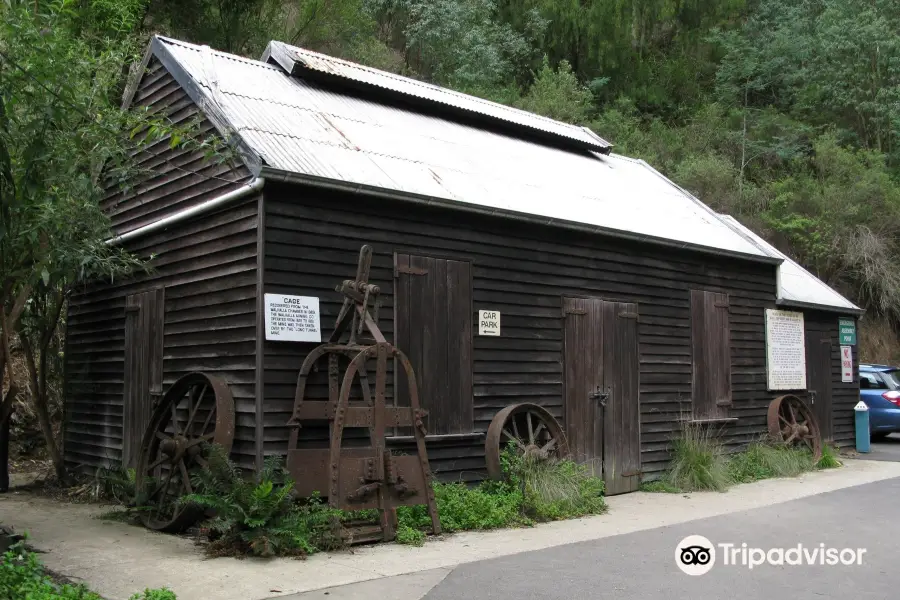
(695, 555)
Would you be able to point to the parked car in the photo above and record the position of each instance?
(879, 388)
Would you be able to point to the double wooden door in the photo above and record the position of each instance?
(602, 409)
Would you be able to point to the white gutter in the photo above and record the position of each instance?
(248, 188)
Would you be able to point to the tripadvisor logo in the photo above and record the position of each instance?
(696, 555)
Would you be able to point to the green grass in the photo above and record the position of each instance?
(536, 489)
(764, 461)
(829, 458)
(660, 487)
(22, 577)
(698, 461)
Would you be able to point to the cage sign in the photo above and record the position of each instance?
(292, 318)
(847, 328)
(785, 350)
(488, 322)
(846, 364)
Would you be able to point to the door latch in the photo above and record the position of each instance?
(812, 396)
(600, 395)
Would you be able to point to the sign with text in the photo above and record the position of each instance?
(292, 318)
(846, 364)
(785, 350)
(488, 322)
(847, 332)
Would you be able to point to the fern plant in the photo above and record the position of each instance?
(259, 515)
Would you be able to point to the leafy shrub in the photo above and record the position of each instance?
(829, 458)
(259, 516)
(158, 594)
(764, 460)
(410, 535)
(698, 460)
(489, 505)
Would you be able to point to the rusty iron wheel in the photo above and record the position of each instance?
(530, 428)
(792, 423)
(197, 410)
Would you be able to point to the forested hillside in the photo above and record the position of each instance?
(785, 115)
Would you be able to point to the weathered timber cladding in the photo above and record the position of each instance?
(167, 173)
(710, 354)
(433, 316)
(208, 270)
(844, 396)
(312, 241)
(144, 324)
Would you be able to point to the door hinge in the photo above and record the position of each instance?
(410, 271)
(721, 304)
(631, 474)
(575, 311)
(629, 315)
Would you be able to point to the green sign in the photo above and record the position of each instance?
(847, 329)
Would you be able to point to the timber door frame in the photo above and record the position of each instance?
(143, 367)
(602, 355)
(819, 383)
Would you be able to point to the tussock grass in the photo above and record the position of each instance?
(763, 460)
(698, 460)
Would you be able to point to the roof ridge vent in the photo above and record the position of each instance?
(313, 66)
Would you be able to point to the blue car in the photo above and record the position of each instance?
(879, 388)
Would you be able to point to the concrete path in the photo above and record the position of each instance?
(888, 449)
(641, 566)
(116, 559)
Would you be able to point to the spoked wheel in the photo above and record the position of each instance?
(197, 410)
(793, 423)
(530, 428)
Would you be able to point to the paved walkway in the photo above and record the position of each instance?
(117, 559)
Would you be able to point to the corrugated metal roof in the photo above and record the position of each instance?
(796, 285)
(301, 127)
(299, 61)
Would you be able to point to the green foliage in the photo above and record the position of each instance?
(462, 508)
(410, 536)
(536, 489)
(22, 577)
(698, 460)
(829, 458)
(157, 594)
(763, 460)
(660, 487)
(558, 94)
(553, 489)
(258, 515)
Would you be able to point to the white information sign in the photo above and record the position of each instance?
(292, 318)
(846, 364)
(488, 322)
(785, 350)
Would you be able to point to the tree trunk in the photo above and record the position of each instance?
(38, 374)
(5, 420)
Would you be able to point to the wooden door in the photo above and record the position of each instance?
(818, 380)
(601, 389)
(144, 315)
(433, 327)
(622, 414)
(583, 362)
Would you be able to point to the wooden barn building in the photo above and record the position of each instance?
(519, 261)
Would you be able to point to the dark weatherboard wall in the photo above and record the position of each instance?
(312, 239)
(204, 272)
